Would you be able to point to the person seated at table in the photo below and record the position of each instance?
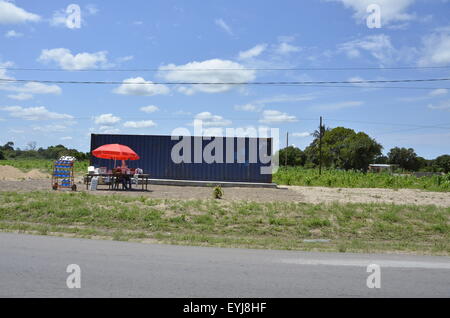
(117, 178)
(126, 181)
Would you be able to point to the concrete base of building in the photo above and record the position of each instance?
(196, 183)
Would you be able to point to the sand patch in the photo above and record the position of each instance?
(11, 173)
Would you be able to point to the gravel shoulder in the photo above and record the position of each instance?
(283, 193)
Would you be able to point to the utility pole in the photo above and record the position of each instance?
(320, 146)
(285, 151)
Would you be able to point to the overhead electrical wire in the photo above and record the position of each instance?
(9, 80)
(227, 69)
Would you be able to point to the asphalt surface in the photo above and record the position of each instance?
(35, 266)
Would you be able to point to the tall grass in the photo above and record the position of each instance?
(41, 164)
(354, 179)
(358, 227)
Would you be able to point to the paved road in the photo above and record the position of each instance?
(35, 266)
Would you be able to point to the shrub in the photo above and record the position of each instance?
(217, 192)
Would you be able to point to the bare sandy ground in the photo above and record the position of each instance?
(11, 173)
(283, 193)
(364, 195)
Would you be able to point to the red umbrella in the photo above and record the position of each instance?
(116, 152)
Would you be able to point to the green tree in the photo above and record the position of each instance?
(9, 146)
(360, 151)
(344, 148)
(295, 157)
(381, 159)
(2, 156)
(406, 158)
(442, 163)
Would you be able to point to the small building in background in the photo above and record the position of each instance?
(378, 167)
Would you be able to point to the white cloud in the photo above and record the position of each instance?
(140, 87)
(91, 9)
(210, 120)
(3, 71)
(438, 92)
(275, 116)
(301, 134)
(13, 34)
(139, 124)
(125, 58)
(436, 48)
(59, 18)
(379, 46)
(107, 130)
(209, 71)
(182, 113)
(27, 90)
(106, 119)
(213, 132)
(285, 98)
(258, 105)
(67, 61)
(224, 26)
(149, 109)
(338, 106)
(38, 88)
(285, 48)
(50, 128)
(21, 96)
(445, 105)
(11, 14)
(253, 52)
(391, 10)
(17, 131)
(66, 138)
(33, 113)
(249, 107)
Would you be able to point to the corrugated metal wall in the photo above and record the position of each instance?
(155, 152)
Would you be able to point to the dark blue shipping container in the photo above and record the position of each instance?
(155, 158)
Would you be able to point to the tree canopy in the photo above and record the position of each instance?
(53, 152)
(295, 157)
(344, 148)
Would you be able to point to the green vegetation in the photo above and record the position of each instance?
(43, 165)
(217, 192)
(7, 151)
(354, 179)
(277, 225)
(343, 148)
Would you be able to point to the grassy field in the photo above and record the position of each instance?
(296, 176)
(41, 164)
(352, 179)
(348, 227)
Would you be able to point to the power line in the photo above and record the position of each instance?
(365, 86)
(227, 69)
(175, 117)
(6, 80)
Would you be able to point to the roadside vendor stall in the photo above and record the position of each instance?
(63, 174)
(118, 176)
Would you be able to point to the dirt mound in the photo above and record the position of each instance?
(11, 173)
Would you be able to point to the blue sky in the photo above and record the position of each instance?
(172, 37)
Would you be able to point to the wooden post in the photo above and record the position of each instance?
(287, 145)
(320, 146)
